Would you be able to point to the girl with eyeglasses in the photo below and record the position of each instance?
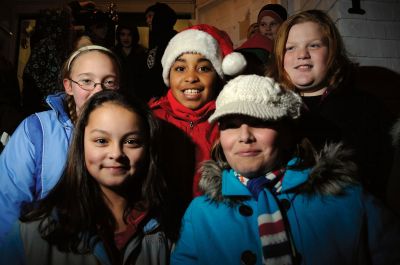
(33, 160)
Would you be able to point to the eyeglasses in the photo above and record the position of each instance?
(89, 85)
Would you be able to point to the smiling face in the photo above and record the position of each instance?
(306, 58)
(115, 146)
(192, 79)
(92, 65)
(268, 26)
(250, 145)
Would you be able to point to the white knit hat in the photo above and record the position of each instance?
(211, 42)
(256, 96)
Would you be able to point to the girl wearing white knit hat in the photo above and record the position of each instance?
(270, 199)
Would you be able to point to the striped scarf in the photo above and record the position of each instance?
(275, 243)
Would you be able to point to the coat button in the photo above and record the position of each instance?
(285, 204)
(245, 210)
(248, 258)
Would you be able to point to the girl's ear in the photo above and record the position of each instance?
(67, 86)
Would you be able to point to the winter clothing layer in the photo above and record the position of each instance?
(24, 245)
(32, 161)
(194, 130)
(358, 120)
(332, 221)
(187, 139)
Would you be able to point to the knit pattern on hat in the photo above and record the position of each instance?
(256, 96)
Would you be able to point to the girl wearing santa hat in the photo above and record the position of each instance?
(195, 63)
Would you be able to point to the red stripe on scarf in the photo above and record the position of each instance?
(271, 228)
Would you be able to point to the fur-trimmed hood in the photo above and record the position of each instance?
(334, 170)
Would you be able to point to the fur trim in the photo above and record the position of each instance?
(211, 180)
(395, 133)
(333, 172)
(192, 41)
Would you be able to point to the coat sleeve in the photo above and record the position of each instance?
(12, 249)
(383, 232)
(185, 251)
(17, 170)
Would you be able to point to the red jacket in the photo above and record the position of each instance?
(187, 139)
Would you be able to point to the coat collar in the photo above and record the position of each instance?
(56, 102)
(333, 172)
(177, 110)
(231, 186)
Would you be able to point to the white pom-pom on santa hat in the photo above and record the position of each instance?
(233, 63)
(209, 41)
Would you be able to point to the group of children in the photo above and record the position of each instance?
(104, 178)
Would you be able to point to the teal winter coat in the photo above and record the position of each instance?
(332, 220)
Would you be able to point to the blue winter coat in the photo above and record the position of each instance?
(32, 161)
(332, 221)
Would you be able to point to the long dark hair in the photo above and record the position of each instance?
(76, 210)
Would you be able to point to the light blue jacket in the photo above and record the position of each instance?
(332, 221)
(32, 161)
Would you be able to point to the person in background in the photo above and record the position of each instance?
(32, 161)
(195, 63)
(104, 209)
(51, 43)
(269, 198)
(97, 27)
(270, 17)
(161, 19)
(132, 56)
(311, 59)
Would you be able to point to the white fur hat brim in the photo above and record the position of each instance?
(191, 41)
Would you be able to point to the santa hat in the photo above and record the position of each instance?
(258, 41)
(209, 41)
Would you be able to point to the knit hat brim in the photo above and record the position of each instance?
(257, 97)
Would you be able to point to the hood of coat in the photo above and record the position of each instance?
(333, 172)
